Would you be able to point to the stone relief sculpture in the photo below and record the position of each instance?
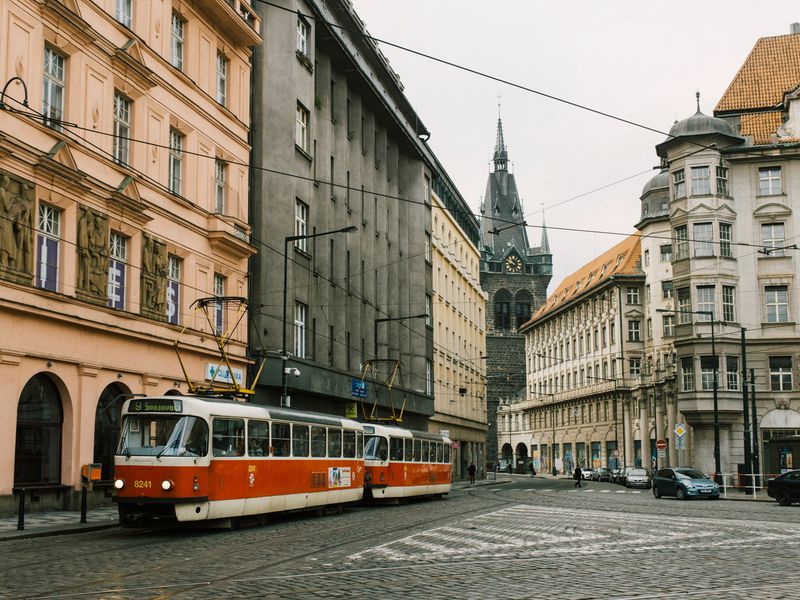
(17, 205)
(92, 250)
(154, 274)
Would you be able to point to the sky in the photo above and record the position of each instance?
(642, 61)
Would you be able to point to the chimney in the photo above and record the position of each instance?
(794, 28)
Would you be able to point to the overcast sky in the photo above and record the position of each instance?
(641, 61)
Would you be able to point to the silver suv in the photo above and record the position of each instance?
(637, 477)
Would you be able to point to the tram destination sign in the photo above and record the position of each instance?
(156, 405)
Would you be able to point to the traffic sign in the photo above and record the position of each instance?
(680, 430)
(615, 453)
(661, 444)
(662, 453)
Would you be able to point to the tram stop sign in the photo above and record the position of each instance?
(661, 444)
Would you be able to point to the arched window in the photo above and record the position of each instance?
(502, 310)
(522, 307)
(37, 456)
(106, 427)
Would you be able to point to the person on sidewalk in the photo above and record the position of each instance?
(471, 470)
(578, 474)
(533, 471)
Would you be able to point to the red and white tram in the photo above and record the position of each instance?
(401, 463)
(186, 458)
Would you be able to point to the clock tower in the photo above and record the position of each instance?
(515, 277)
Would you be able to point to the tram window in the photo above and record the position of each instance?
(395, 448)
(425, 452)
(334, 443)
(417, 450)
(438, 453)
(228, 437)
(280, 439)
(447, 453)
(408, 450)
(299, 440)
(377, 448)
(349, 444)
(258, 438)
(319, 441)
(359, 444)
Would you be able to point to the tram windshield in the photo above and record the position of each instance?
(163, 435)
(376, 448)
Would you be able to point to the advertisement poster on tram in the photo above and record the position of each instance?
(338, 477)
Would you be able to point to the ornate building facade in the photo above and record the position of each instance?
(515, 276)
(123, 199)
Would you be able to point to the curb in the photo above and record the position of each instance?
(56, 530)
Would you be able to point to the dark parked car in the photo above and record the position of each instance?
(623, 475)
(601, 474)
(683, 483)
(785, 488)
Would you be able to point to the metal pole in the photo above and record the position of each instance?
(717, 467)
(83, 501)
(746, 413)
(553, 445)
(616, 429)
(21, 511)
(754, 415)
(284, 357)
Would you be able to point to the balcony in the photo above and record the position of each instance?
(237, 18)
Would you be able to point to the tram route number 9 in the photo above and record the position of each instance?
(138, 483)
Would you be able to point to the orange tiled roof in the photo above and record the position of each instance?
(762, 126)
(622, 259)
(771, 69)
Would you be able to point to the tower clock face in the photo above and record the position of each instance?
(513, 264)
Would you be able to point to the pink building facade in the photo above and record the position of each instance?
(123, 199)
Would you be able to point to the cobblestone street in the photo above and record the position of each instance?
(518, 539)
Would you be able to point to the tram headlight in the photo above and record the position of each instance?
(196, 485)
(119, 483)
(167, 485)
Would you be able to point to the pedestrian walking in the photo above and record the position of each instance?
(577, 475)
(471, 470)
(533, 471)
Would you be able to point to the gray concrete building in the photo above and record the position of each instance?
(514, 276)
(337, 145)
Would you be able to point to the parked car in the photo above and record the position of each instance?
(623, 475)
(785, 488)
(601, 474)
(586, 473)
(637, 477)
(684, 483)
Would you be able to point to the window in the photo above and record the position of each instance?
(175, 161)
(118, 254)
(502, 310)
(258, 438)
(667, 290)
(687, 374)
(428, 377)
(647, 258)
(281, 439)
(669, 325)
(222, 78)
(634, 331)
(703, 239)
(780, 373)
(633, 295)
(319, 441)
(228, 437)
(428, 312)
(701, 182)
(681, 243)
(173, 289)
(611, 332)
(728, 303)
(773, 238)
(666, 252)
(124, 13)
(333, 100)
(428, 249)
(301, 224)
(649, 324)
(219, 313)
(777, 301)
(302, 36)
(706, 302)
(679, 183)
(122, 129)
(684, 306)
(300, 319)
(47, 243)
(300, 440)
(769, 181)
(707, 372)
(722, 181)
(176, 57)
(301, 129)
(219, 187)
(725, 240)
(635, 367)
(53, 88)
(732, 373)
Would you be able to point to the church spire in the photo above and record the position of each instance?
(545, 246)
(500, 153)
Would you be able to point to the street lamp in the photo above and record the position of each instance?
(715, 384)
(284, 354)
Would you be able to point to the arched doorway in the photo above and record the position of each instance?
(507, 457)
(106, 427)
(522, 458)
(37, 454)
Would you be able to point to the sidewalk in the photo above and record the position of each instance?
(38, 524)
